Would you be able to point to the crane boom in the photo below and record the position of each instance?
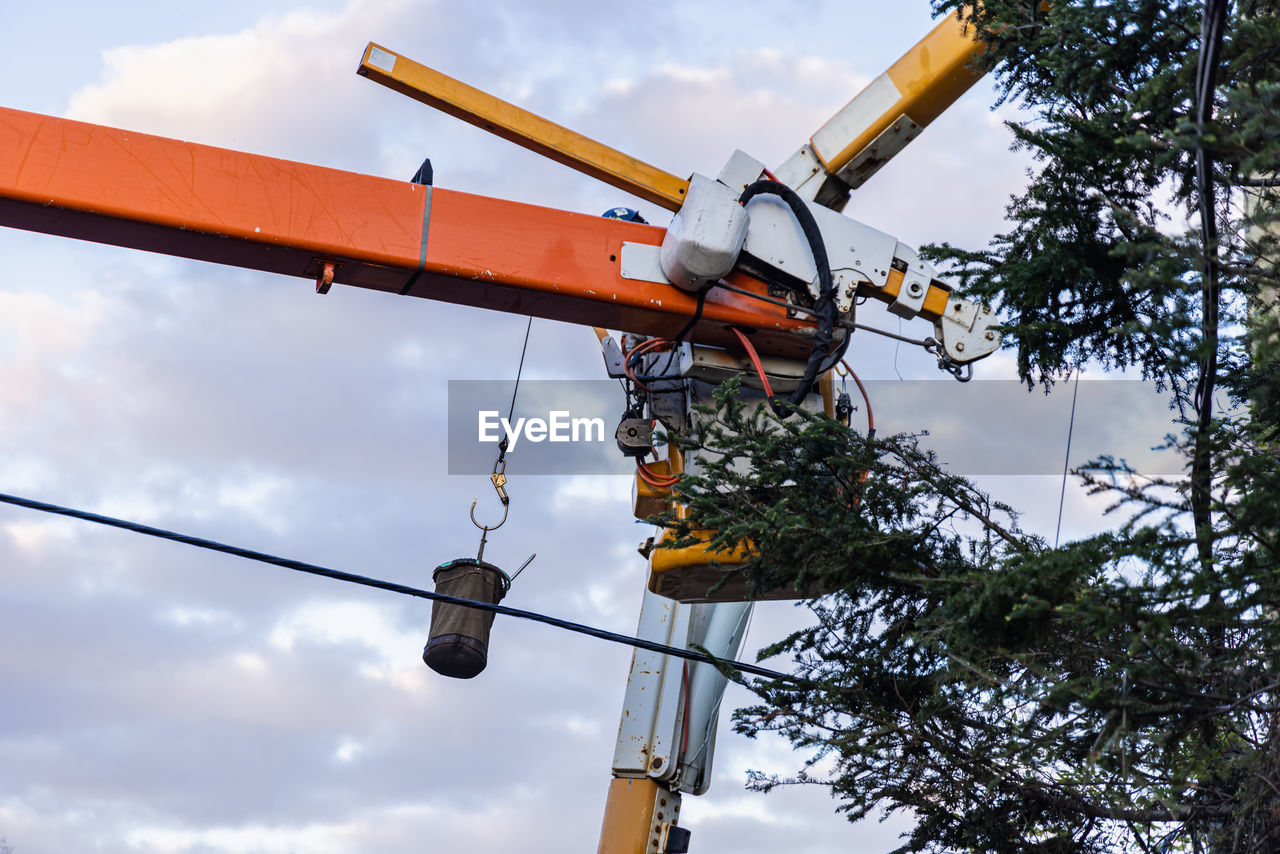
(106, 185)
(848, 149)
(140, 191)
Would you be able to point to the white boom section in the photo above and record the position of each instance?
(671, 707)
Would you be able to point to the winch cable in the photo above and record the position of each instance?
(520, 368)
(499, 475)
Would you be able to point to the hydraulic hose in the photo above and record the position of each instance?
(825, 306)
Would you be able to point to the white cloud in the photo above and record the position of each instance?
(251, 663)
(348, 750)
(284, 81)
(574, 492)
(254, 494)
(200, 617)
(753, 807)
(251, 839)
(365, 626)
(34, 537)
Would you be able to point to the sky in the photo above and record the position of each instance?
(163, 700)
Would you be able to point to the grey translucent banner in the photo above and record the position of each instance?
(558, 427)
(977, 428)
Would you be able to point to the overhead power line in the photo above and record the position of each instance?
(393, 587)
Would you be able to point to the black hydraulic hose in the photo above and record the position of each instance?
(825, 306)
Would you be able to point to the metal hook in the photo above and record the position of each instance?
(485, 529)
(506, 508)
(499, 479)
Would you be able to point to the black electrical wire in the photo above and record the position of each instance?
(1211, 32)
(663, 372)
(391, 586)
(697, 314)
(825, 306)
(1212, 27)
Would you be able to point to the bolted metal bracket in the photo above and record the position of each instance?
(664, 836)
(966, 332)
(613, 361)
(867, 162)
(915, 284)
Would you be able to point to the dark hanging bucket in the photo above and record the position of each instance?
(459, 642)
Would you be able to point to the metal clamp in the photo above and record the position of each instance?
(499, 478)
(966, 330)
(963, 372)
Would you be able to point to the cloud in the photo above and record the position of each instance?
(361, 624)
(284, 86)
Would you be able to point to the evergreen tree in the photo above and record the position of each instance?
(1121, 692)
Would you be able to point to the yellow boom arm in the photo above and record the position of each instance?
(886, 115)
(518, 125)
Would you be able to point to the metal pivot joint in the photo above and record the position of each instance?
(635, 435)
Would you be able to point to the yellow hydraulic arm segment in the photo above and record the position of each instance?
(886, 115)
(640, 817)
(522, 127)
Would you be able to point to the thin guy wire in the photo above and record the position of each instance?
(391, 586)
(1071, 427)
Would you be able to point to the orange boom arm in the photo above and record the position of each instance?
(146, 192)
